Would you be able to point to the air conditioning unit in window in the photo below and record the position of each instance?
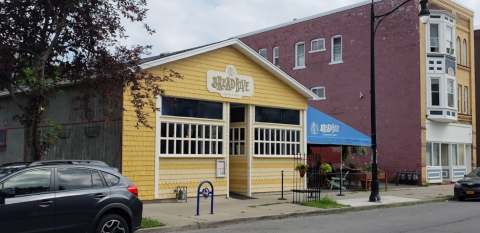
(448, 50)
(452, 51)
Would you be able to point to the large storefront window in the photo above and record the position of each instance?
(192, 108)
(277, 141)
(277, 115)
(191, 139)
(237, 141)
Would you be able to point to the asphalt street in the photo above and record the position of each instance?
(443, 217)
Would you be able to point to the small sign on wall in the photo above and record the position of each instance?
(229, 84)
(221, 168)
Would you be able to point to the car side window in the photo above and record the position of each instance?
(74, 178)
(110, 179)
(97, 179)
(30, 182)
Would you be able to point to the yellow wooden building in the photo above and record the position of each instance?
(234, 119)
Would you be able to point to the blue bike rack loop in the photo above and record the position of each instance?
(205, 193)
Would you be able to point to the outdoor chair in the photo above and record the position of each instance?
(336, 181)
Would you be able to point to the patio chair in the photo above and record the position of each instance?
(336, 181)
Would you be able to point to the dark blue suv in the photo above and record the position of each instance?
(68, 196)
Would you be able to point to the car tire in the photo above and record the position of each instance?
(460, 198)
(112, 223)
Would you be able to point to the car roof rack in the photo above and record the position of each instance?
(15, 164)
(85, 162)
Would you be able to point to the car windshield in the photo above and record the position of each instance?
(474, 173)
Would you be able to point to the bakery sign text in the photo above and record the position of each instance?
(229, 84)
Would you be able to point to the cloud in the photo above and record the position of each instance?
(182, 24)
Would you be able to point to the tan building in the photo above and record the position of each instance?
(234, 119)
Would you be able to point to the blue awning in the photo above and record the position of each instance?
(323, 129)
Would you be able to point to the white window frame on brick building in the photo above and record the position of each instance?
(337, 50)
(299, 55)
(317, 45)
(263, 53)
(276, 56)
(319, 91)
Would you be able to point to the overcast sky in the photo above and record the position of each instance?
(182, 24)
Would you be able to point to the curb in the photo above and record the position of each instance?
(215, 224)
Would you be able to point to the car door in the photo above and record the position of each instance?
(80, 194)
(32, 207)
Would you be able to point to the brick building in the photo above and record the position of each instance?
(424, 79)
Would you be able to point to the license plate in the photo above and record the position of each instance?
(470, 192)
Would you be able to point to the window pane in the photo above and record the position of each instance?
(436, 154)
(192, 108)
(96, 179)
(237, 114)
(74, 178)
(429, 154)
(110, 179)
(445, 152)
(454, 155)
(291, 117)
(435, 92)
(461, 154)
(242, 134)
(450, 92)
(163, 130)
(30, 182)
(220, 132)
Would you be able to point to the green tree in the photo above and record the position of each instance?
(44, 43)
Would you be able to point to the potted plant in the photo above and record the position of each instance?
(325, 168)
(301, 168)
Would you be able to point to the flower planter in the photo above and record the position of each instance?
(302, 172)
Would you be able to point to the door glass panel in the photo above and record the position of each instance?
(461, 154)
(436, 154)
(429, 154)
(30, 182)
(445, 153)
(74, 178)
(454, 155)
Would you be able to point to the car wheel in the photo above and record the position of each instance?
(460, 198)
(112, 223)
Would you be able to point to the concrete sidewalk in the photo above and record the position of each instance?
(182, 215)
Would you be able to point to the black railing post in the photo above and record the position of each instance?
(282, 198)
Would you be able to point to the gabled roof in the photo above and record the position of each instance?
(242, 48)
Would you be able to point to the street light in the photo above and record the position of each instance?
(424, 17)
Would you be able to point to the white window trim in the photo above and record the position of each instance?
(297, 67)
(440, 88)
(464, 53)
(465, 100)
(459, 49)
(319, 50)
(332, 62)
(234, 142)
(273, 130)
(453, 91)
(183, 155)
(266, 53)
(440, 38)
(277, 56)
(320, 87)
(459, 98)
